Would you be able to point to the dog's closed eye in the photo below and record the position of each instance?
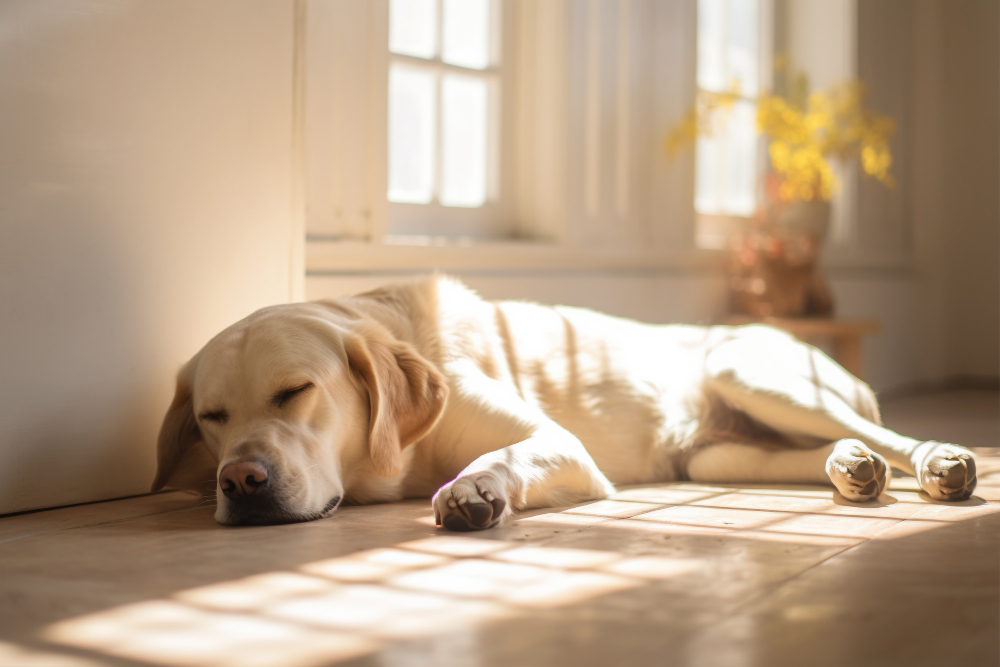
(217, 416)
(283, 396)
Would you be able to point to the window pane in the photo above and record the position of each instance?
(742, 46)
(465, 35)
(727, 45)
(413, 27)
(411, 135)
(464, 104)
(711, 42)
(726, 162)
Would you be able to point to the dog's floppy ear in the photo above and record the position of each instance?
(182, 459)
(406, 395)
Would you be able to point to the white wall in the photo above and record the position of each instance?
(145, 201)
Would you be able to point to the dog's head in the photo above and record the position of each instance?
(286, 411)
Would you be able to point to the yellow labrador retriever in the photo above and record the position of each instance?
(425, 389)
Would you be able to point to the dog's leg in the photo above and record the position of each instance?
(812, 396)
(549, 469)
(546, 466)
(858, 473)
(944, 471)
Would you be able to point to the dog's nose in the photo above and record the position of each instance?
(242, 478)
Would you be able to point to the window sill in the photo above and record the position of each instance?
(327, 258)
(420, 254)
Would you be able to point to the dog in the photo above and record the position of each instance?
(427, 390)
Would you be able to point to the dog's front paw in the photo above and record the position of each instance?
(945, 472)
(471, 502)
(858, 473)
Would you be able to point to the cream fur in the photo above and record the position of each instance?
(496, 407)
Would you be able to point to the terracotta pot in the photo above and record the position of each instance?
(774, 263)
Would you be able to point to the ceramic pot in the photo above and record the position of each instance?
(774, 263)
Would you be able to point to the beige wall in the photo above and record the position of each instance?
(971, 175)
(955, 201)
(145, 195)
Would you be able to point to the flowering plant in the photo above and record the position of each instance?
(832, 123)
(805, 131)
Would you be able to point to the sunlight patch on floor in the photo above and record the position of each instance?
(614, 509)
(340, 608)
(173, 633)
(12, 654)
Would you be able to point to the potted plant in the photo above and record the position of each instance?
(774, 257)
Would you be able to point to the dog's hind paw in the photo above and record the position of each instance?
(471, 502)
(944, 471)
(858, 473)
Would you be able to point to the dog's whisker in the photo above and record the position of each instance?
(304, 469)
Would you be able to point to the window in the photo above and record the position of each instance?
(443, 119)
(731, 51)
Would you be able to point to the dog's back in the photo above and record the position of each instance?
(629, 391)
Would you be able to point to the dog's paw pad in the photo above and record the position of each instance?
(468, 503)
(858, 473)
(946, 472)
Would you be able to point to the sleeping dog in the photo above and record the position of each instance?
(426, 390)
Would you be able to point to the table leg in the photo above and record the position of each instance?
(847, 352)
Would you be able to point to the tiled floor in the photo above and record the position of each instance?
(678, 574)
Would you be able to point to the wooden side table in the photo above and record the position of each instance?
(844, 334)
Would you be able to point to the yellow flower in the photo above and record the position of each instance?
(708, 116)
(803, 134)
(833, 123)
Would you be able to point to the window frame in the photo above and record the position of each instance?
(712, 229)
(421, 223)
(344, 177)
